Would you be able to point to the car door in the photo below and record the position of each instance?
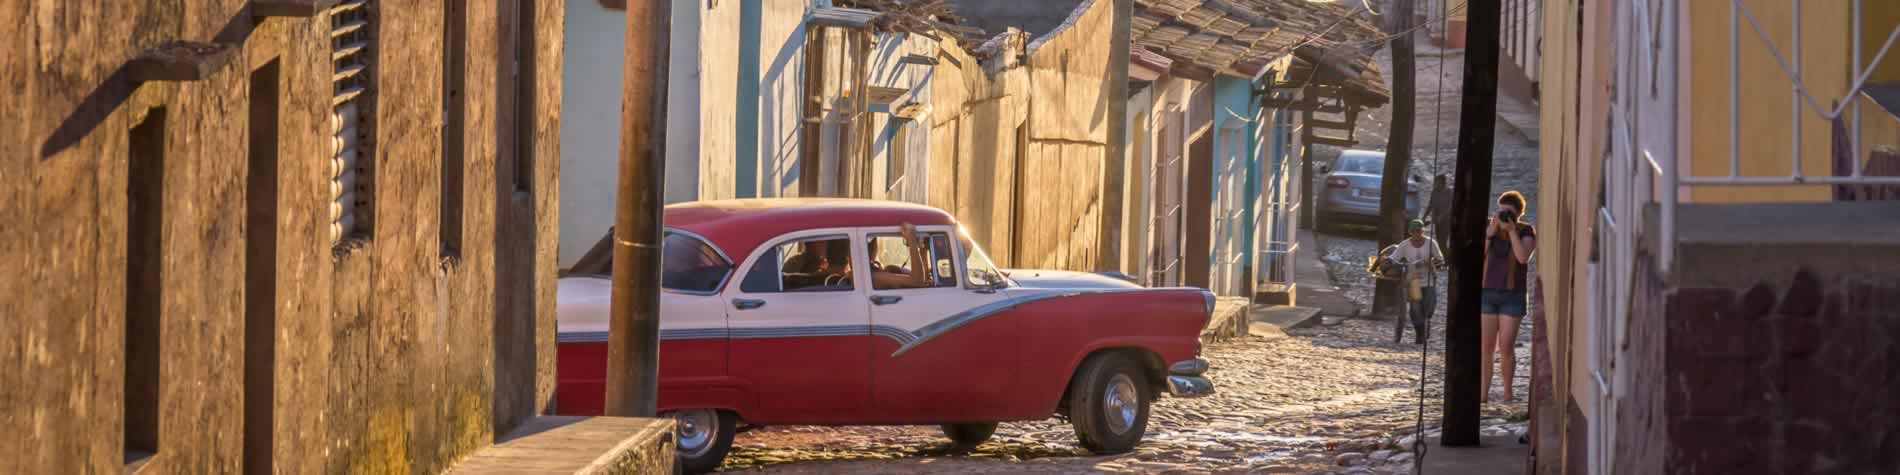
(799, 329)
(936, 343)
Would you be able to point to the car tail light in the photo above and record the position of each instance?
(1336, 182)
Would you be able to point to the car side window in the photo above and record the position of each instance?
(890, 255)
(817, 264)
(690, 265)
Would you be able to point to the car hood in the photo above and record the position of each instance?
(1061, 279)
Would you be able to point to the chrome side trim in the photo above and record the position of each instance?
(895, 334)
(966, 317)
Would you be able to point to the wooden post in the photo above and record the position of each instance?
(1386, 296)
(1306, 168)
(1471, 191)
(633, 341)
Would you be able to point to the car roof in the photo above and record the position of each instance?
(1363, 154)
(737, 227)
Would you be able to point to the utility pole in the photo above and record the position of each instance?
(1386, 296)
(633, 339)
(1471, 192)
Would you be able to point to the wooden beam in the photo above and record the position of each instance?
(296, 8)
(1330, 124)
(181, 61)
(1305, 105)
(1325, 140)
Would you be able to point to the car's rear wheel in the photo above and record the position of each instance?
(1108, 403)
(968, 436)
(705, 435)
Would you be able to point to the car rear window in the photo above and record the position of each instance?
(1361, 165)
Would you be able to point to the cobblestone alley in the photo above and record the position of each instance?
(1338, 397)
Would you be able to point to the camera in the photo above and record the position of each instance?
(1507, 216)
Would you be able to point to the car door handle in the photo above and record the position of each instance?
(885, 299)
(747, 304)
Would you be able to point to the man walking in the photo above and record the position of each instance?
(1422, 259)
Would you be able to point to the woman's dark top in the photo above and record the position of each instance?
(1501, 268)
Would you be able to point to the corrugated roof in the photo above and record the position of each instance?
(1239, 37)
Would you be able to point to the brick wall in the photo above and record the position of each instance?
(1795, 373)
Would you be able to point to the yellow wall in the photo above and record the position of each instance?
(1766, 97)
(1877, 21)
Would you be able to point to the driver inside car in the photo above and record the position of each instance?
(894, 277)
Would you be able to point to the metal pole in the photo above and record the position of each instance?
(633, 341)
(1471, 202)
(1796, 96)
(1734, 94)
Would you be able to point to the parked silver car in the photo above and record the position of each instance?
(1350, 190)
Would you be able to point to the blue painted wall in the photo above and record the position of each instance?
(746, 121)
(1234, 108)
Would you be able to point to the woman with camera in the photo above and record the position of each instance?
(1508, 246)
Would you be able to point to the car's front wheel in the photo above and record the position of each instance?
(705, 435)
(1108, 403)
(968, 436)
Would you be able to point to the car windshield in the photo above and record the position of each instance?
(1361, 164)
(979, 271)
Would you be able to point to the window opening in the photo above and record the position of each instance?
(260, 271)
(352, 120)
(144, 278)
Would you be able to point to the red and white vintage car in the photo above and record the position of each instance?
(763, 322)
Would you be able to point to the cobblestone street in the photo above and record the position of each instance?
(1331, 398)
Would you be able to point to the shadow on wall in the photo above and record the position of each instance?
(118, 87)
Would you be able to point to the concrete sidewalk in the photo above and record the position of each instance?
(1314, 283)
(1498, 455)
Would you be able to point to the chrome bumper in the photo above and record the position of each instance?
(1185, 380)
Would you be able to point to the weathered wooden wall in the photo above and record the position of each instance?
(397, 353)
(978, 108)
(1029, 120)
(1071, 116)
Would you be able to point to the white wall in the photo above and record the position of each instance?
(590, 125)
(781, 86)
(887, 70)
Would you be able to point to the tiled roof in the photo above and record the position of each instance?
(1239, 37)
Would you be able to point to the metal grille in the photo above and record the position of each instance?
(350, 118)
(1166, 219)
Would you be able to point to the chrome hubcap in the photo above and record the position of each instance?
(697, 430)
(1121, 403)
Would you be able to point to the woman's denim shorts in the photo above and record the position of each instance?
(1503, 302)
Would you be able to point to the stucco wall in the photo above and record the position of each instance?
(590, 138)
(1767, 131)
(718, 100)
(384, 353)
